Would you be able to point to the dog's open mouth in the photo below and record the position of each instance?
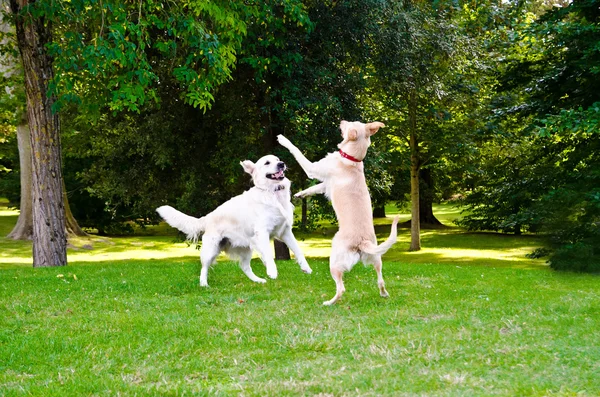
(279, 175)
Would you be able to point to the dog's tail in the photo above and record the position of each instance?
(191, 226)
(374, 249)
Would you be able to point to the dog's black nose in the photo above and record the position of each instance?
(281, 165)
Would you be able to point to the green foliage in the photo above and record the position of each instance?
(9, 164)
(423, 59)
(127, 166)
(284, 83)
(549, 177)
(157, 65)
(161, 100)
(108, 50)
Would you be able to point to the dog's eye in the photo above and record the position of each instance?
(267, 163)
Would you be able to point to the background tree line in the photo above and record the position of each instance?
(492, 102)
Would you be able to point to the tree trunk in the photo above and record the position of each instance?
(304, 212)
(281, 250)
(304, 217)
(49, 238)
(23, 230)
(415, 225)
(379, 212)
(426, 213)
(10, 66)
(426, 216)
(73, 228)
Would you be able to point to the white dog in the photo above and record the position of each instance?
(246, 222)
(343, 182)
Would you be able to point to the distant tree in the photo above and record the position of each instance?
(421, 56)
(102, 60)
(13, 102)
(324, 87)
(34, 34)
(548, 115)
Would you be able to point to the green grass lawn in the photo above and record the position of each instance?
(468, 316)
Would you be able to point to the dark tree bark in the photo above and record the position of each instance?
(73, 228)
(426, 199)
(304, 218)
(415, 166)
(23, 230)
(426, 216)
(304, 212)
(379, 212)
(281, 250)
(49, 231)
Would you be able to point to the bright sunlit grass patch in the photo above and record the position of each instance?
(444, 246)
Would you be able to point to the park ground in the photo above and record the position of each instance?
(469, 315)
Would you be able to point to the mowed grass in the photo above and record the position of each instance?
(479, 325)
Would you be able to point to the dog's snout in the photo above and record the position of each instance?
(281, 165)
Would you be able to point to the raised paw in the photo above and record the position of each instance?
(283, 141)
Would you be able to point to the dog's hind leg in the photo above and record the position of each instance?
(377, 264)
(337, 273)
(208, 253)
(375, 260)
(245, 256)
(341, 261)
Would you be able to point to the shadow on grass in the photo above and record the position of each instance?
(7, 221)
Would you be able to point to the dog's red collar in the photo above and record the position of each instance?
(347, 156)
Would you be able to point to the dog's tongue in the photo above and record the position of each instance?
(278, 174)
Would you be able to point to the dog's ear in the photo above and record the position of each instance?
(248, 165)
(352, 135)
(372, 128)
(343, 127)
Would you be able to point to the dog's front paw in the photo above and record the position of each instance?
(300, 194)
(259, 280)
(272, 273)
(283, 141)
(306, 269)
